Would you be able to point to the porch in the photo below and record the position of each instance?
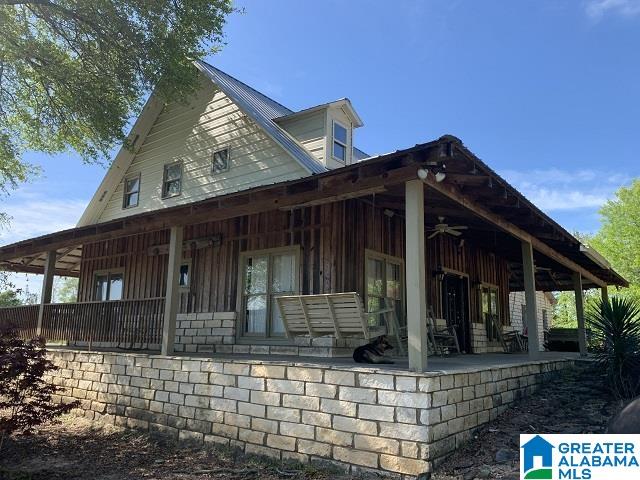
(206, 275)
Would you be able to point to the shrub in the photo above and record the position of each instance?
(25, 397)
(615, 329)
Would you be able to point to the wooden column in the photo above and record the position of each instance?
(604, 293)
(47, 287)
(171, 298)
(529, 272)
(582, 333)
(415, 276)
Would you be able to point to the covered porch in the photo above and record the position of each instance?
(205, 273)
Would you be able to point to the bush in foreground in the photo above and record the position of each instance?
(25, 397)
(615, 328)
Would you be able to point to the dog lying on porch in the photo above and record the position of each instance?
(373, 352)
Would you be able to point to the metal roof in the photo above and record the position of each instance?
(263, 111)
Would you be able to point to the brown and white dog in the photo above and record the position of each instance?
(373, 352)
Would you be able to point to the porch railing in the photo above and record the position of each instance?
(23, 319)
(128, 324)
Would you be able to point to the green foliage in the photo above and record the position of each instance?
(615, 327)
(9, 298)
(72, 72)
(619, 237)
(65, 290)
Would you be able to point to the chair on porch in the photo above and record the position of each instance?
(443, 339)
(337, 314)
(512, 341)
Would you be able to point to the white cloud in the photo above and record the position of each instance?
(596, 9)
(554, 189)
(35, 216)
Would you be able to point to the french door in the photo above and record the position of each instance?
(266, 275)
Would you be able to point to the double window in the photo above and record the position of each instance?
(172, 180)
(131, 195)
(384, 283)
(266, 275)
(340, 142)
(490, 311)
(109, 285)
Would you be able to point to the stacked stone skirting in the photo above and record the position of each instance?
(359, 419)
(216, 333)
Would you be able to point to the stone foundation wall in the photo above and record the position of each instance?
(202, 332)
(359, 419)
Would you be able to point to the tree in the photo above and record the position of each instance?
(73, 72)
(619, 237)
(65, 290)
(9, 298)
(25, 397)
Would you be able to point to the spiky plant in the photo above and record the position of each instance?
(615, 327)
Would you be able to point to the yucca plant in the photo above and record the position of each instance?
(615, 327)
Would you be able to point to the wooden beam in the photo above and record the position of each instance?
(172, 296)
(451, 192)
(47, 288)
(579, 296)
(256, 200)
(416, 276)
(530, 300)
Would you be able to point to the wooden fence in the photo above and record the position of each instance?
(127, 324)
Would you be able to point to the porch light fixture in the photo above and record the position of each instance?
(439, 175)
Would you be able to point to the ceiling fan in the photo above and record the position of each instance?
(445, 228)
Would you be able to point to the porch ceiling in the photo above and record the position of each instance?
(471, 194)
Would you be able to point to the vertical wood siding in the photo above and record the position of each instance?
(332, 239)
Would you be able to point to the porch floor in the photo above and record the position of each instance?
(436, 364)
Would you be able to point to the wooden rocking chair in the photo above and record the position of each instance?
(444, 340)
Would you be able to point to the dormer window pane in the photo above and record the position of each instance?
(172, 182)
(340, 133)
(339, 142)
(131, 192)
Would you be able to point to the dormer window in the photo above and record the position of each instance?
(339, 142)
(131, 192)
(220, 161)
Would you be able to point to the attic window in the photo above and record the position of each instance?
(131, 192)
(172, 180)
(339, 142)
(220, 161)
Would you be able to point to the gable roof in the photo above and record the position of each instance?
(340, 103)
(263, 111)
(257, 106)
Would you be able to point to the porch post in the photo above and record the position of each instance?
(171, 297)
(415, 276)
(582, 334)
(528, 270)
(604, 293)
(47, 287)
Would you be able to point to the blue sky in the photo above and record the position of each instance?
(547, 92)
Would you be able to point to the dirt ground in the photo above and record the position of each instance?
(578, 402)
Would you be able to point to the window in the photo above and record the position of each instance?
(545, 321)
(384, 281)
(109, 286)
(266, 275)
(339, 142)
(172, 180)
(184, 278)
(220, 161)
(131, 192)
(490, 311)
